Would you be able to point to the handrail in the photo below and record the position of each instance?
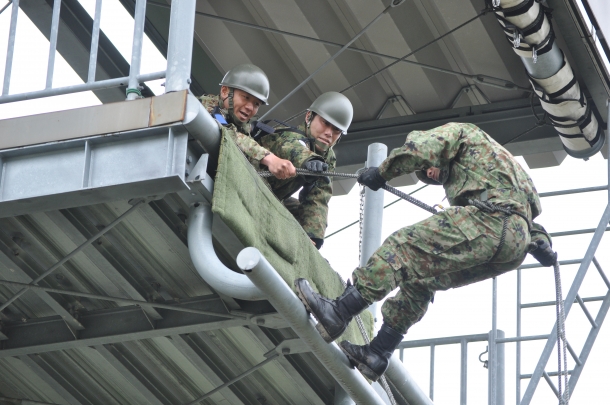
(208, 265)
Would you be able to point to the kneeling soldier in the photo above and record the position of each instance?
(310, 146)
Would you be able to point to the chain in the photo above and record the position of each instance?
(360, 223)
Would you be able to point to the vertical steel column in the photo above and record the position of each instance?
(463, 372)
(95, 35)
(432, 355)
(518, 343)
(133, 90)
(493, 374)
(373, 212)
(180, 46)
(8, 67)
(500, 368)
(53, 43)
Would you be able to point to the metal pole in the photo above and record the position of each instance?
(74, 252)
(569, 300)
(133, 91)
(518, 349)
(95, 36)
(102, 84)
(500, 368)
(53, 43)
(493, 375)
(339, 52)
(283, 299)
(432, 354)
(373, 212)
(341, 397)
(11, 48)
(180, 46)
(463, 372)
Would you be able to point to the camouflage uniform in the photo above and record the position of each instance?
(311, 209)
(452, 248)
(238, 131)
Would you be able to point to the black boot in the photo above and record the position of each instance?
(333, 315)
(373, 359)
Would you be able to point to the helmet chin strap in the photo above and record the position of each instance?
(230, 111)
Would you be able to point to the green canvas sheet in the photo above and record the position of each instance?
(245, 203)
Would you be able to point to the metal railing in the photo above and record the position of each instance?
(132, 81)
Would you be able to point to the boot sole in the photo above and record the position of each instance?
(319, 327)
(363, 368)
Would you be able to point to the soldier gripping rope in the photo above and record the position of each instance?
(310, 147)
(243, 90)
(487, 232)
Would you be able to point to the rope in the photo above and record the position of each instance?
(386, 187)
(562, 342)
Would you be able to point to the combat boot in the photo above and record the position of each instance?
(373, 359)
(333, 315)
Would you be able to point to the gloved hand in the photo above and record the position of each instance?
(372, 178)
(315, 166)
(544, 253)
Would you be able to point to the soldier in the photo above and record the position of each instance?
(310, 146)
(468, 242)
(243, 90)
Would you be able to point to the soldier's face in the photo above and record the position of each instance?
(324, 131)
(433, 173)
(245, 105)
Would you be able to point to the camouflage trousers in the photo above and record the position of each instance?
(448, 250)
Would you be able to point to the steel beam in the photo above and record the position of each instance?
(502, 121)
(119, 325)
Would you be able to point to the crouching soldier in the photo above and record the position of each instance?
(487, 232)
(243, 90)
(310, 146)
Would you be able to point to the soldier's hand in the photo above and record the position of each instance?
(280, 168)
(544, 253)
(372, 178)
(315, 166)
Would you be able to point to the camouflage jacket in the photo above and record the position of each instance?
(296, 147)
(238, 132)
(475, 163)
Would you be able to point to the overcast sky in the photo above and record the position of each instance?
(456, 312)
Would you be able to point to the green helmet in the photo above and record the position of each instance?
(335, 108)
(250, 79)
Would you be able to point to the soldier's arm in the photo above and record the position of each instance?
(424, 149)
(280, 168)
(290, 146)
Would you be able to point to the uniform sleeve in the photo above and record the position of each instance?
(538, 232)
(315, 205)
(423, 149)
(290, 146)
(247, 145)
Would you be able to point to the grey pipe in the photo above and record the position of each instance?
(264, 276)
(210, 268)
(203, 127)
(405, 384)
(180, 45)
(373, 213)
